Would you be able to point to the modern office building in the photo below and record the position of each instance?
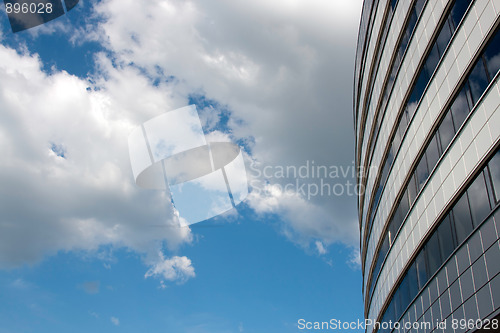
(427, 122)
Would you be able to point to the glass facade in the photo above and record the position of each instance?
(427, 121)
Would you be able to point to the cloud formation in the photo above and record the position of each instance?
(65, 172)
(174, 269)
(281, 69)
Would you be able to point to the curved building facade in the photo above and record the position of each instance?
(427, 122)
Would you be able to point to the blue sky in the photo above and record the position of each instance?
(78, 237)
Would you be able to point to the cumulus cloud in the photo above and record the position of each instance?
(354, 260)
(65, 172)
(176, 268)
(282, 68)
(303, 220)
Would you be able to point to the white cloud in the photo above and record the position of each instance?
(320, 247)
(304, 220)
(86, 199)
(115, 321)
(354, 260)
(283, 68)
(176, 268)
(280, 67)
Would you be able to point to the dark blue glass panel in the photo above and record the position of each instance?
(446, 131)
(433, 254)
(412, 281)
(492, 55)
(461, 107)
(478, 80)
(446, 238)
(421, 269)
(462, 218)
(478, 200)
(494, 167)
(412, 189)
(404, 294)
(458, 10)
(422, 172)
(419, 5)
(444, 37)
(432, 60)
(432, 152)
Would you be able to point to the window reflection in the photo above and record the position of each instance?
(460, 107)
(446, 131)
(492, 56)
(494, 168)
(421, 270)
(432, 152)
(463, 103)
(479, 202)
(478, 80)
(456, 225)
(462, 218)
(446, 239)
(433, 253)
(422, 172)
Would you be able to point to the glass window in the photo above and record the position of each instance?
(412, 190)
(489, 187)
(446, 239)
(419, 5)
(458, 11)
(432, 152)
(396, 300)
(394, 148)
(444, 37)
(422, 172)
(421, 269)
(461, 107)
(385, 248)
(376, 200)
(404, 290)
(385, 171)
(478, 199)
(409, 29)
(478, 80)
(418, 90)
(492, 55)
(462, 218)
(391, 231)
(390, 314)
(446, 131)
(412, 281)
(405, 206)
(433, 254)
(403, 122)
(494, 167)
(432, 60)
(398, 216)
